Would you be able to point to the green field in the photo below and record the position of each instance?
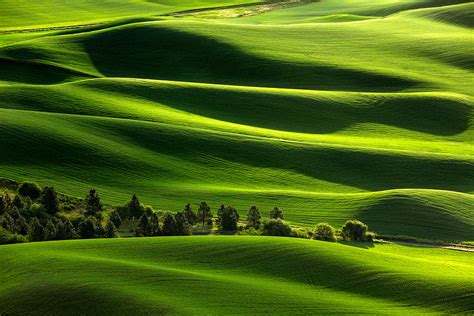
(312, 108)
(232, 275)
(331, 110)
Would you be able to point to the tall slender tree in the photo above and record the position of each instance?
(93, 205)
(204, 214)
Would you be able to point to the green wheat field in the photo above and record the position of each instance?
(331, 110)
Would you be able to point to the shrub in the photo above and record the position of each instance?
(116, 219)
(276, 227)
(325, 232)
(7, 237)
(370, 236)
(87, 228)
(251, 231)
(110, 230)
(355, 230)
(30, 189)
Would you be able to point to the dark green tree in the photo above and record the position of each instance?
(21, 226)
(50, 230)
(49, 200)
(169, 225)
(110, 230)
(116, 219)
(204, 214)
(229, 219)
(355, 230)
(69, 230)
(134, 207)
(87, 228)
(189, 214)
(181, 224)
(93, 204)
(7, 222)
(154, 225)
(324, 232)
(143, 228)
(276, 227)
(30, 189)
(220, 211)
(276, 213)
(254, 217)
(37, 231)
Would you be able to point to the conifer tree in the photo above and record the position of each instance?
(190, 215)
(93, 205)
(37, 231)
(154, 225)
(143, 228)
(254, 217)
(169, 225)
(204, 214)
(49, 200)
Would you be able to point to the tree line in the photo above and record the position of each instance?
(38, 214)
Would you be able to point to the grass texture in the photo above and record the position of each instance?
(232, 275)
(331, 110)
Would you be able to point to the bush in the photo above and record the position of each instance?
(355, 230)
(276, 227)
(7, 237)
(324, 232)
(30, 189)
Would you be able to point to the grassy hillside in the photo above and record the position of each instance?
(23, 14)
(232, 275)
(330, 121)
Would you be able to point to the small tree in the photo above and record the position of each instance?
(276, 213)
(7, 222)
(143, 228)
(134, 207)
(37, 231)
(204, 214)
(191, 217)
(276, 227)
(116, 219)
(355, 230)
(110, 230)
(87, 228)
(254, 217)
(324, 232)
(169, 225)
(30, 189)
(181, 224)
(49, 200)
(93, 204)
(229, 219)
(155, 225)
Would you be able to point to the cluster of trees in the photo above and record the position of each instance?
(352, 230)
(33, 215)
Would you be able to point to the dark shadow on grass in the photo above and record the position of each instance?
(158, 52)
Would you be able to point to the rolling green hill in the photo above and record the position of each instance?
(331, 110)
(232, 275)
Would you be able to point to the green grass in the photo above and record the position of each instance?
(232, 275)
(330, 121)
(23, 14)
